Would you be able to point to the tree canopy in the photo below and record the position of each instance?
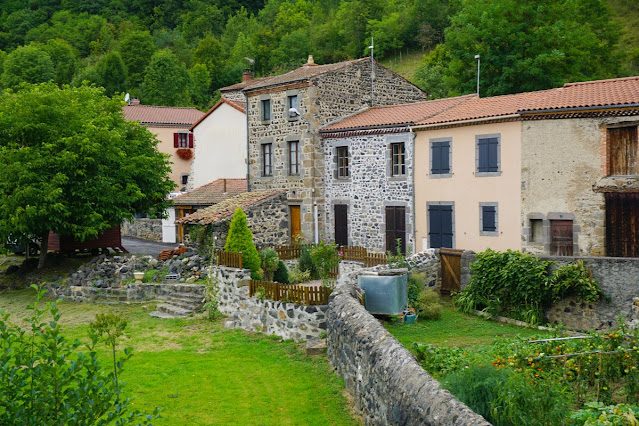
(70, 163)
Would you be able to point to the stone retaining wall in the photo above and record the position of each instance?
(130, 293)
(385, 380)
(287, 320)
(144, 228)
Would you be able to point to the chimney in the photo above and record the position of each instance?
(310, 62)
(135, 101)
(247, 76)
(224, 186)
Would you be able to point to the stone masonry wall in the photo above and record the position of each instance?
(133, 292)
(369, 189)
(385, 380)
(287, 320)
(145, 228)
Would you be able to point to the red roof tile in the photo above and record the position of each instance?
(393, 115)
(211, 193)
(226, 208)
(150, 114)
(238, 105)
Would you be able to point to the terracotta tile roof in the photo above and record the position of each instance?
(302, 73)
(393, 115)
(613, 92)
(226, 208)
(238, 105)
(150, 114)
(211, 193)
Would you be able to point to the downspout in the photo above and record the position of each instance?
(248, 182)
(410, 129)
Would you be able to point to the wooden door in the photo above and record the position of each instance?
(440, 226)
(622, 225)
(183, 212)
(395, 228)
(622, 151)
(451, 270)
(341, 224)
(296, 223)
(561, 237)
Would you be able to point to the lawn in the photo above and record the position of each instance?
(201, 373)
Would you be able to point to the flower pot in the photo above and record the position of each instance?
(138, 277)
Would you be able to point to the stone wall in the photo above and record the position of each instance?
(287, 320)
(385, 380)
(369, 189)
(144, 228)
(132, 292)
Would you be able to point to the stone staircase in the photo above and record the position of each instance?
(180, 304)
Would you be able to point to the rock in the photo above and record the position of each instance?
(229, 324)
(12, 269)
(316, 347)
(191, 279)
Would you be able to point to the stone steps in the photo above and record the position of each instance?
(179, 304)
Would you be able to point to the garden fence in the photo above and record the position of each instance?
(304, 295)
(291, 252)
(228, 258)
(356, 253)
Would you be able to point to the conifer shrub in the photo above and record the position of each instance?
(281, 273)
(240, 239)
(306, 263)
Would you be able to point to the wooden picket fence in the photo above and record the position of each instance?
(302, 295)
(228, 258)
(291, 252)
(353, 252)
(374, 259)
(356, 253)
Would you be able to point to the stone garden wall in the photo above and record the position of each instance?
(132, 292)
(144, 228)
(287, 320)
(385, 380)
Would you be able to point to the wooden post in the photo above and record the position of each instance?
(276, 296)
(240, 260)
(306, 296)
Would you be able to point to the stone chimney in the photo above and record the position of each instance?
(310, 62)
(247, 76)
(135, 101)
(224, 186)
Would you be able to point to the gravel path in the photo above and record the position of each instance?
(145, 247)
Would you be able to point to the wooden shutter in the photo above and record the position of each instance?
(622, 151)
(622, 224)
(441, 226)
(488, 218)
(341, 224)
(190, 140)
(176, 141)
(561, 241)
(441, 158)
(488, 155)
(395, 228)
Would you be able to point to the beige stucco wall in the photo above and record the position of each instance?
(220, 147)
(467, 191)
(179, 166)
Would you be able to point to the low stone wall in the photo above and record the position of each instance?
(130, 293)
(287, 320)
(385, 380)
(144, 228)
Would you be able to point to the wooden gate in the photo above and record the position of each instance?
(561, 241)
(451, 270)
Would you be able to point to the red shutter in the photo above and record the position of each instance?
(190, 140)
(176, 143)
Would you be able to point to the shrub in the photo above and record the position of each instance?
(429, 305)
(416, 284)
(296, 276)
(46, 379)
(201, 236)
(240, 239)
(325, 257)
(281, 273)
(269, 261)
(577, 280)
(306, 263)
(397, 260)
(596, 413)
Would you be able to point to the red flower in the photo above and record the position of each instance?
(185, 153)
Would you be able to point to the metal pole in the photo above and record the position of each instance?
(372, 69)
(478, 61)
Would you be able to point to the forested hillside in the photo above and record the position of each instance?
(179, 52)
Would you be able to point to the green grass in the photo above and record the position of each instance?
(456, 329)
(56, 265)
(408, 64)
(201, 373)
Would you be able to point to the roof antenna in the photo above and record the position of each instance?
(478, 60)
(372, 47)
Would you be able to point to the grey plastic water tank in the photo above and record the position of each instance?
(386, 291)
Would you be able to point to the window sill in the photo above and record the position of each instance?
(487, 174)
(398, 178)
(440, 175)
(342, 180)
(489, 233)
(265, 122)
(266, 176)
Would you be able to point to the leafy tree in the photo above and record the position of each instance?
(166, 81)
(112, 73)
(89, 75)
(71, 163)
(240, 239)
(526, 46)
(136, 49)
(209, 52)
(202, 19)
(64, 59)
(200, 84)
(27, 64)
(17, 24)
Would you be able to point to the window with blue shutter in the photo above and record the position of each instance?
(488, 155)
(488, 223)
(440, 225)
(440, 158)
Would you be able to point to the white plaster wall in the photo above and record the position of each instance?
(220, 147)
(467, 191)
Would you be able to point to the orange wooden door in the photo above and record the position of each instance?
(296, 223)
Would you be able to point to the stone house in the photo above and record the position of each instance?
(266, 216)
(171, 126)
(369, 177)
(220, 144)
(284, 115)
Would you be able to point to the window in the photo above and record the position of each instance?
(536, 230)
(266, 109)
(293, 158)
(440, 157)
(487, 155)
(398, 165)
(184, 179)
(267, 159)
(292, 103)
(622, 151)
(342, 162)
(183, 140)
(488, 219)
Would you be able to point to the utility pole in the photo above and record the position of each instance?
(478, 60)
(372, 47)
